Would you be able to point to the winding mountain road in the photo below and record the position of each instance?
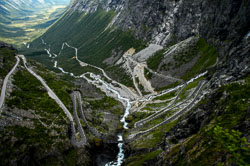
(74, 141)
(2, 98)
(128, 91)
(50, 91)
(160, 112)
(76, 97)
(177, 114)
(52, 95)
(131, 97)
(83, 140)
(165, 110)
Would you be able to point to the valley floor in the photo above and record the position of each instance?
(23, 30)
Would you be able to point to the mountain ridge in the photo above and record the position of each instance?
(170, 79)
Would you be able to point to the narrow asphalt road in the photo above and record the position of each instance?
(83, 140)
(50, 92)
(125, 88)
(163, 111)
(158, 113)
(74, 141)
(2, 98)
(177, 114)
(98, 134)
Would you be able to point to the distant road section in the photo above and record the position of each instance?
(2, 98)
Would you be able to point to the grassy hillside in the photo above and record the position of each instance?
(213, 133)
(7, 61)
(222, 141)
(87, 33)
(205, 52)
(34, 129)
(24, 21)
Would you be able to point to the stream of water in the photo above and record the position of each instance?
(109, 90)
(120, 156)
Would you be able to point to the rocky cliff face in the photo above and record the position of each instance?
(217, 31)
(89, 6)
(160, 20)
(166, 20)
(224, 24)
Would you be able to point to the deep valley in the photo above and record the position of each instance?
(125, 83)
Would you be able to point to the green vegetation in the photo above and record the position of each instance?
(98, 107)
(147, 108)
(141, 115)
(232, 141)
(191, 85)
(7, 61)
(172, 85)
(221, 140)
(185, 56)
(29, 139)
(27, 22)
(60, 87)
(166, 96)
(160, 119)
(35, 96)
(157, 105)
(206, 54)
(71, 157)
(118, 73)
(136, 117)
(51, 161)
(218, 142)
(44, 125)
(207, 59)
(87, 33)
(148, 74)
(153, 138)
(183, 93)
(138, 160)
(39, 138)
(105, 103)
(154, 61)
(33, 136)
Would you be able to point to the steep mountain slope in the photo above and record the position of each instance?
(93, 42)
(30, 123)
(88, 26)
(180, 69)
(34, 129)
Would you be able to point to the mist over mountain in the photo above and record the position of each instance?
(125, 82)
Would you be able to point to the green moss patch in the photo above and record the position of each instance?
(138, 160)
(208, 56)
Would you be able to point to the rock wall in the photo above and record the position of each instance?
(224, 23)
(90, 6)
